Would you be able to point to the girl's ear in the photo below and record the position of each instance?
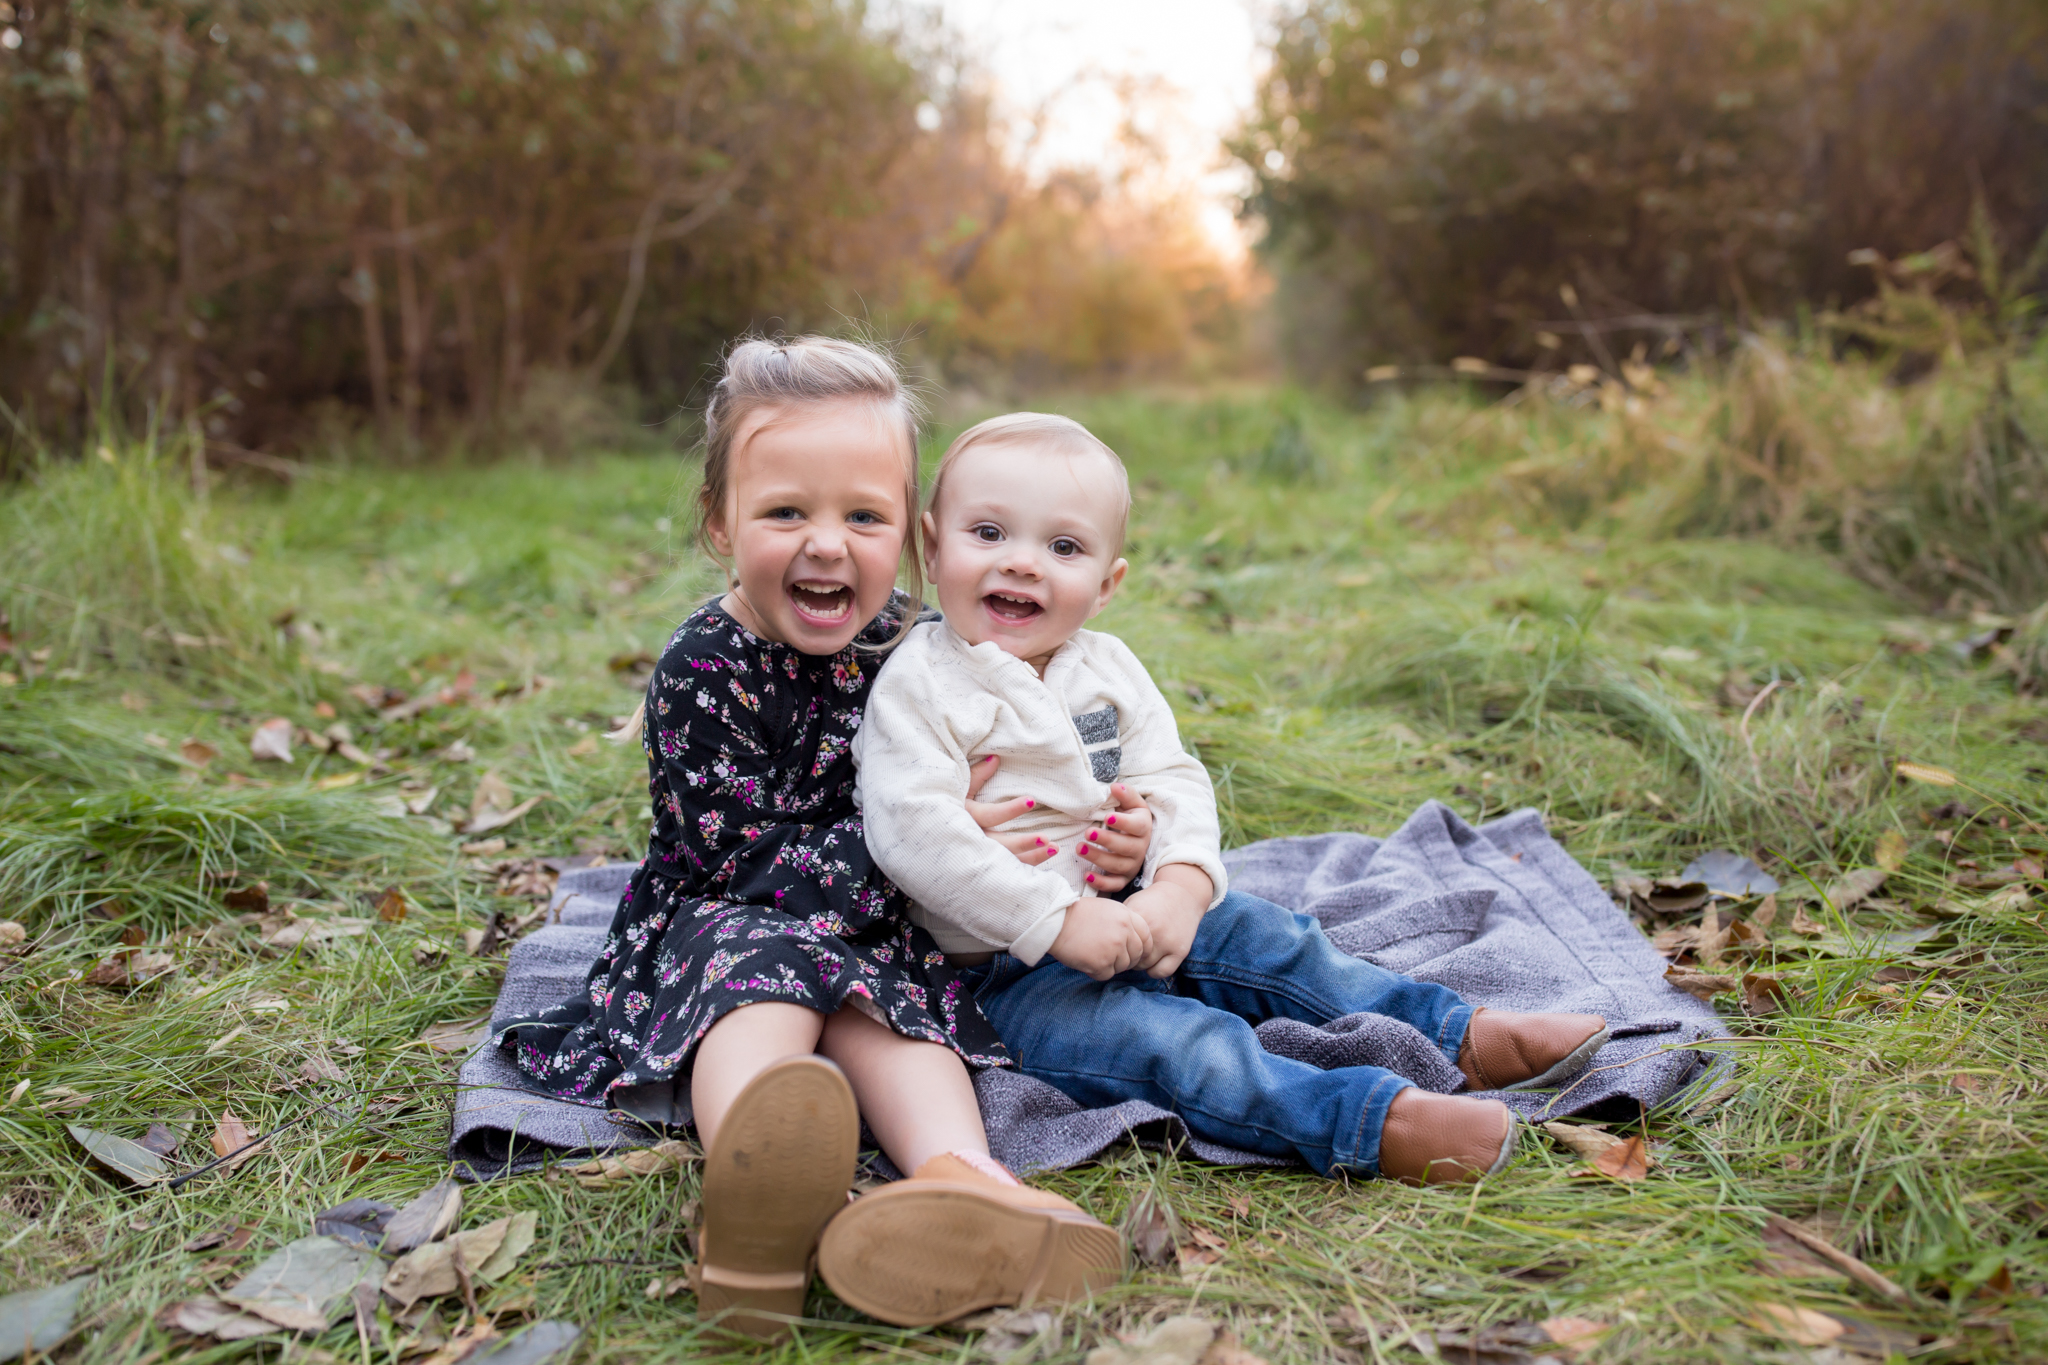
(718, 528)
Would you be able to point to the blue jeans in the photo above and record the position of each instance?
(1186, 1043)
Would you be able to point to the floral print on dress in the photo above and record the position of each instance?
(757, 883)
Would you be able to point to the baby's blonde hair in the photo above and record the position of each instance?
(1063, 435)
(779, 374)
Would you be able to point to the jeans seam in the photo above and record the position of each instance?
(1179, 1105)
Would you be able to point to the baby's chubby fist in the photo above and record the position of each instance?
(1102, 937)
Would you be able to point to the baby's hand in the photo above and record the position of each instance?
(1117, 847)
(1102, 937)
(1172, 908)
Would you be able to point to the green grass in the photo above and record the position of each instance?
(1352, 613)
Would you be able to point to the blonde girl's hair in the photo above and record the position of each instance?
(1045, 430)
(776, 375)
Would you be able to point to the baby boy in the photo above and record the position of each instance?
(1148, 993)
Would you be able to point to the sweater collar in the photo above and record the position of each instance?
(991, 660)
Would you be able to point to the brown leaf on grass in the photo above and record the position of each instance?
(231, 1136)
(662, 1156)
(453, 1035)
(163, 1138)
(271, 742)
(1627, 1161)
(1723, 938)
(1851, 889)
(1579, 1138)
(492, 793)
(131, 1161)
(303, 1285)
(1802, 923)
(1762, 994)
(498, 819)
(228, 1237)
(12, 935)
(431, 1270)
(1703, 985)
(207, 1316)
(1788, 1258)
(1849, 1265)
(1152, 1229)
(1766, 913)
(1574, 1334)
(1202, 1247)
(428, 1218)
(197, 752)
(1226, 1349)
(1800, 1326)
(249, 900)
(1176, 1341)
(1669, 896)
(319, 1067)
(59, 1099)
(1240, 1205)
(392, 906)
(1891, 850)
(1676, 941)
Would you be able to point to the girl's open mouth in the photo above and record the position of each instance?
(823, 603)
(1014, 610)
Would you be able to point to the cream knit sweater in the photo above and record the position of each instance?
(1094, 719)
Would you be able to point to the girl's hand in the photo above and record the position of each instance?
(1029, 848)
(1117, 846)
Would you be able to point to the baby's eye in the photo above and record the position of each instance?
(1066, 547)
(987, 534)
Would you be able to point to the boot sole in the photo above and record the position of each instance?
(780, 1169)
(928, 1252)
(1571, 1064)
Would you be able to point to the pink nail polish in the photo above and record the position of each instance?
(1091, 876)
(1041, 843)
(1030, 804)
(1112, 819)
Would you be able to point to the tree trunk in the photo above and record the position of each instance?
(363, 288)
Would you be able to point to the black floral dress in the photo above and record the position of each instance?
(757, 884)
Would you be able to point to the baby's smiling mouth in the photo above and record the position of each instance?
(1015, 610)
(823, 602)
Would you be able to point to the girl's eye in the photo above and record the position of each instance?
(1066, 548)
(864, 519)
(988, 535)
(785, 514)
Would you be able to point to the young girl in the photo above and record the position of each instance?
(758, 957)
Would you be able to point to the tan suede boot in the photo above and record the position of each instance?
(962, 1234)
(780, 1168)
(1434, 1139)
(1504, 1051)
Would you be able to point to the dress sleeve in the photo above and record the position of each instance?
(723, 779)
(1172, 781)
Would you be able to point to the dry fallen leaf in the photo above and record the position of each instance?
(132, 1161)
(1627, 1161)
(248, 900)
(272, 741)
(1802, 923)
(12, 935)
(1800, 1326)
(392, 906)
(1704, 985)
(454, 1035)
(1151, 1227)
(230, 1136)
(1851, 889)
(492, 794)
(319, 1067)
(1579, 1138)
(1574, 1334)
(1891, 850)
(1176, 1341)
(662, 1156)
(498, 819)
(197, 752)
(1762, 994)
(1225, 1349)
(207, 1316)
(430, 1270)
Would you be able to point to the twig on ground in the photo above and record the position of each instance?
(1841, 1260)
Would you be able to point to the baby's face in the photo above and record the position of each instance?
(1023, 545)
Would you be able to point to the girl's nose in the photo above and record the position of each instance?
(826, 544)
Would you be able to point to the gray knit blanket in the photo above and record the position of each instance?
(1501, 914)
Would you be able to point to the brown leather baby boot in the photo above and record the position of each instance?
(1504, 1051)
(963, 1234)
(1432, 1139)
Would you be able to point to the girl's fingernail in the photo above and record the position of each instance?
(1091, 876)
(1112, 819)
(1041, 843)
(1030, 804)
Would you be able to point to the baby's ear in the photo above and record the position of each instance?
(928, 537)
(1111, 581)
